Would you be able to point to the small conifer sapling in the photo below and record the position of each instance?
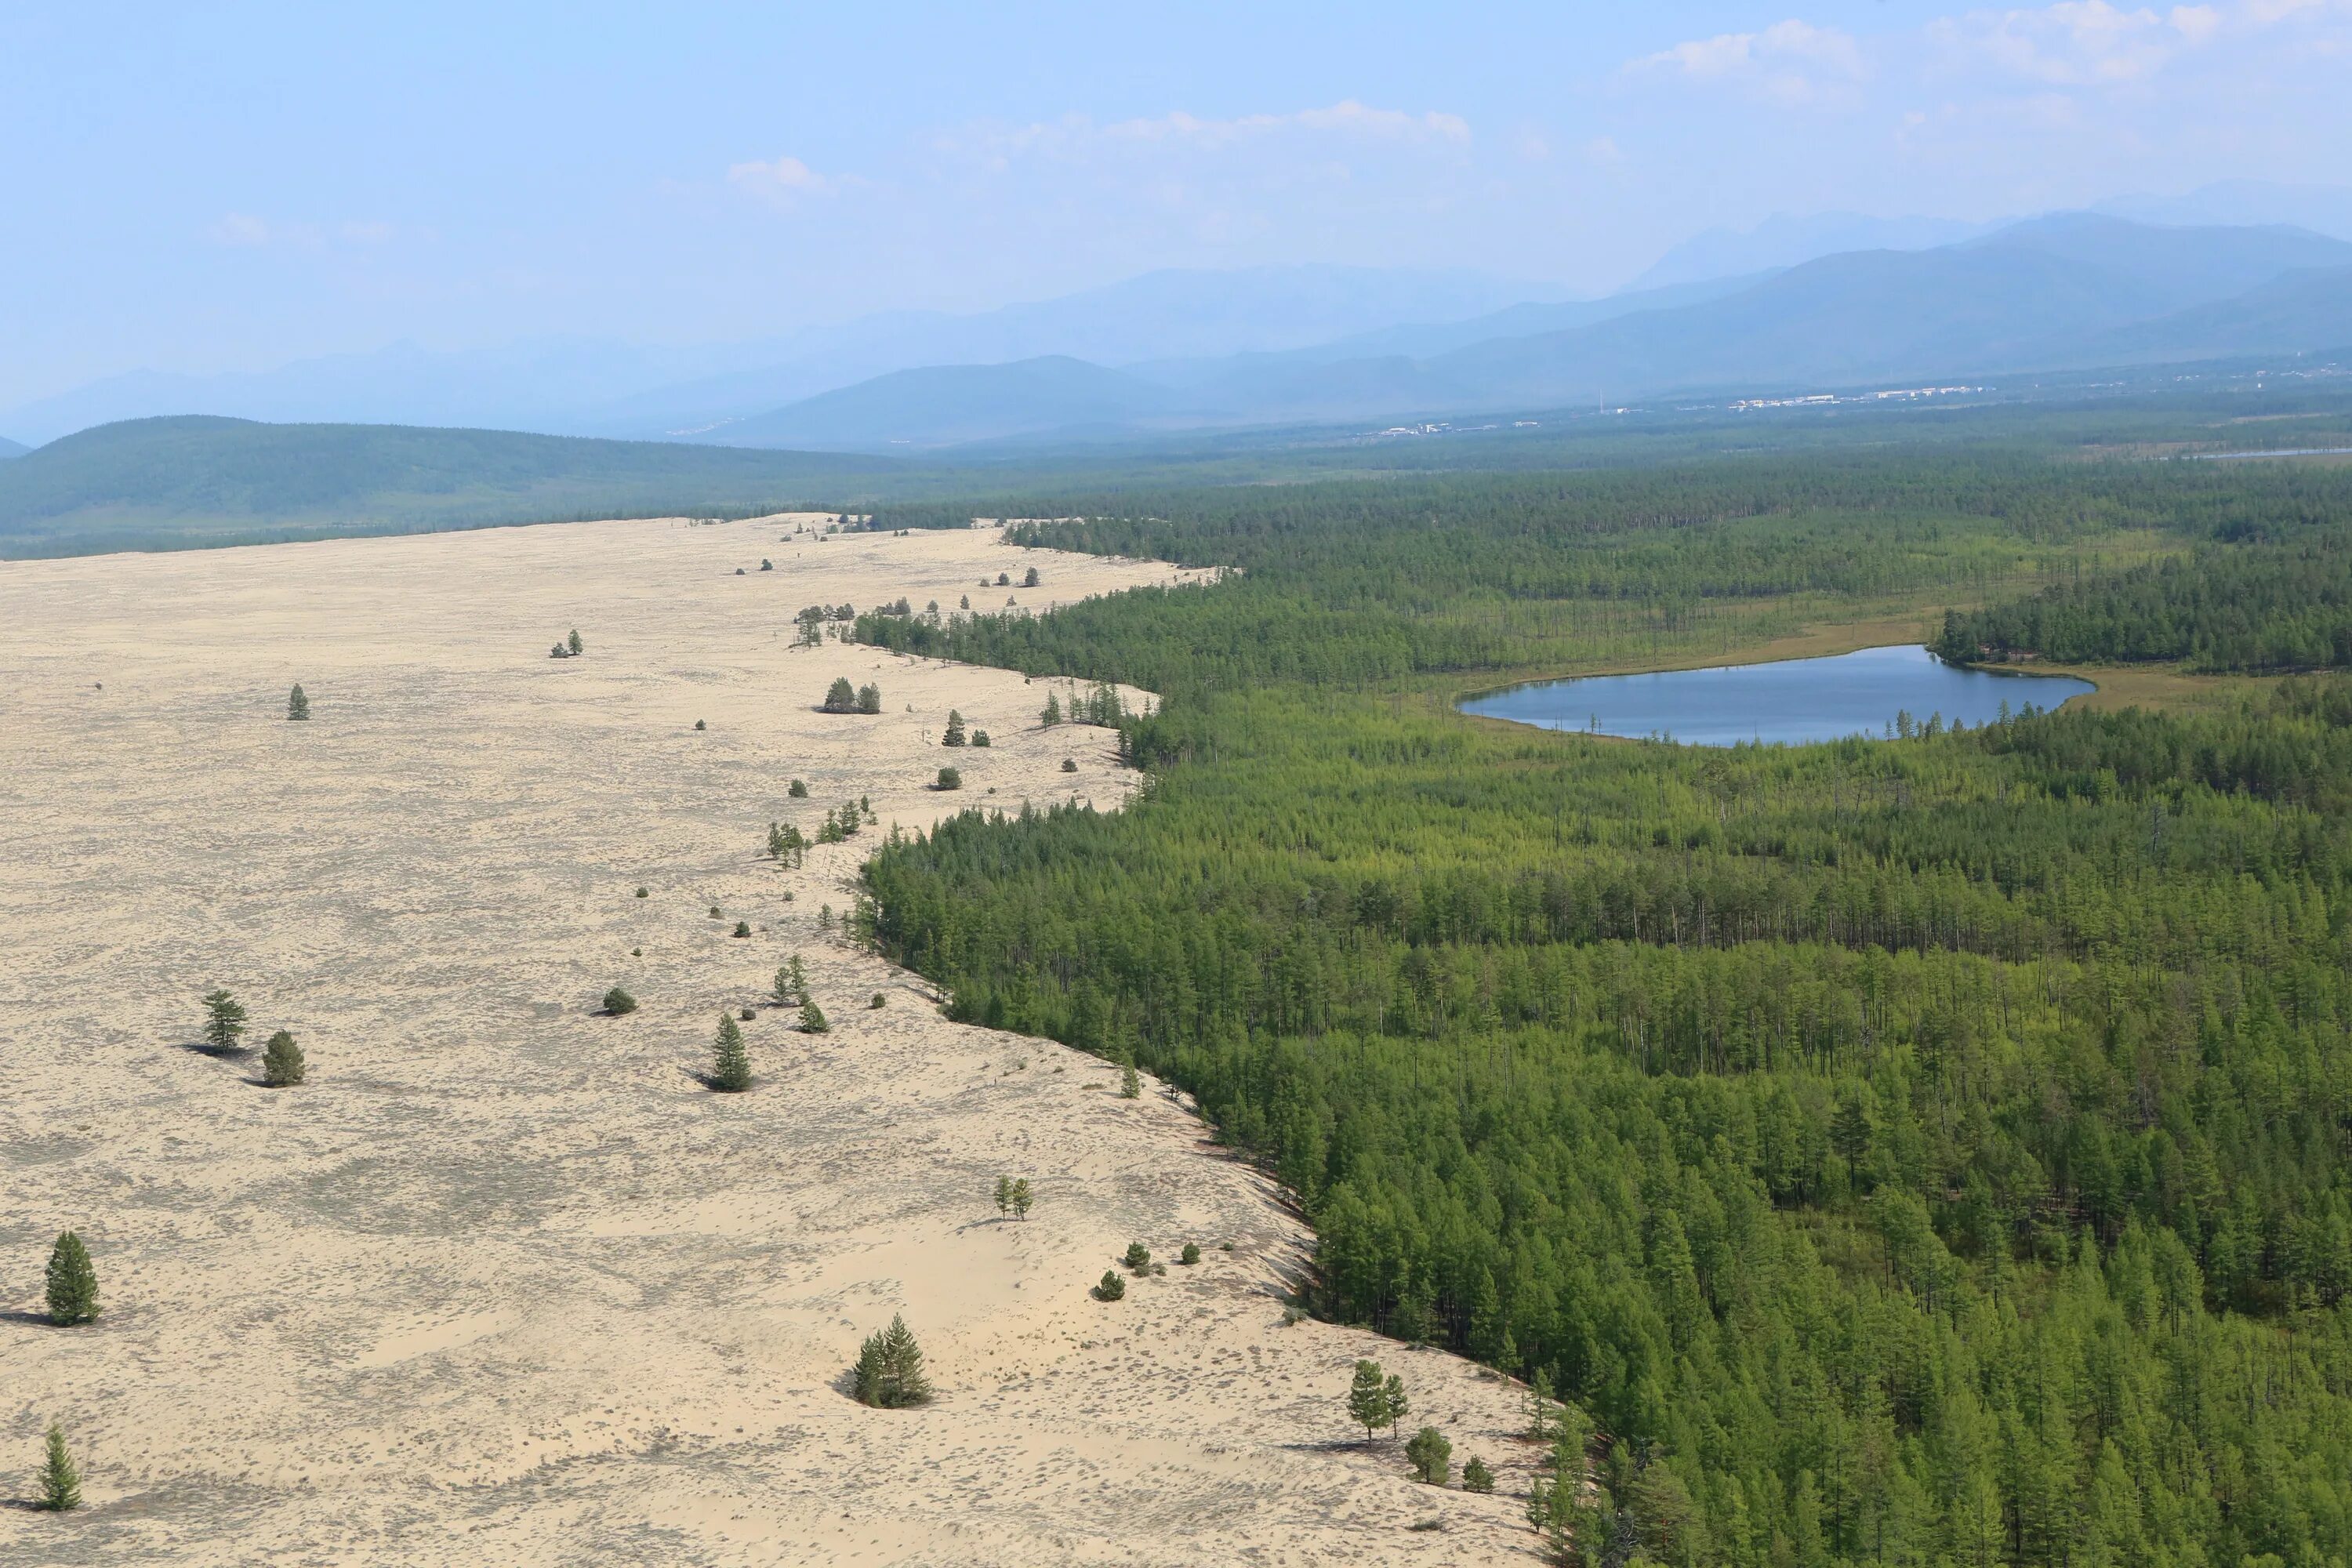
(1139, 1257)
(1111, 1288)
(60, 1479)
(1023, 1198)
(813, 1019)
(1476, 1475)
(72, 1281)
(298, 705)
(618, 1002)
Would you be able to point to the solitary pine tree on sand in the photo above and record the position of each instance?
(223, 1020)
(73, 1283)
(60, 1480)
(1368, 1398)
(730, 1063)
(281, 1062)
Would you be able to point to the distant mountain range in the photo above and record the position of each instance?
(149, 483)
(585, 386)
(2067, 292)
(11, 449)
(1786, 240)
(1793, 304)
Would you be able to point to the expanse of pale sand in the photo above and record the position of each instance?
(504, 1283)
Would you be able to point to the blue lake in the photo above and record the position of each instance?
(1792, 702)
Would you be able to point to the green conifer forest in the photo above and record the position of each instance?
(1922, 1150)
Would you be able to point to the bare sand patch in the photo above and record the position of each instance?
(505, 1283)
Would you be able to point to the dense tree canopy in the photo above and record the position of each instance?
(1904, 1150)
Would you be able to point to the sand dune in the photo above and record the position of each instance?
(505, 1284)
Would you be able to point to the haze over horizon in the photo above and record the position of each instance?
(231, 191)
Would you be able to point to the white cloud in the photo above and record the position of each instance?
(2266, 12)
(1790, 62)
(782, 181)
(2077, 43)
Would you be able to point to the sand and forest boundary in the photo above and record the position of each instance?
(505, 1281)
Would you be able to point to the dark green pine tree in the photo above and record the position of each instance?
(1431, 1456)
(1368, 1398)
(572, 643)
(281, 1062)
(869, 1374)
(841, 697)
(954, 734)
(72, 1281)
(889, 1374)
(298, 705)
(903, 1383)
(812, 1018)
(60, 1479)
(730, 1063)
(223, 1020)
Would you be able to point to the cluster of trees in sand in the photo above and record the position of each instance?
(72, 1277)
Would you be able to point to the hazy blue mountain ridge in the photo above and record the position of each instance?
(2048, 294)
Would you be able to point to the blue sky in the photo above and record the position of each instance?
(203, 186)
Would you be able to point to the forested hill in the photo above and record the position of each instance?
(1923, 1151)
(149, 483)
